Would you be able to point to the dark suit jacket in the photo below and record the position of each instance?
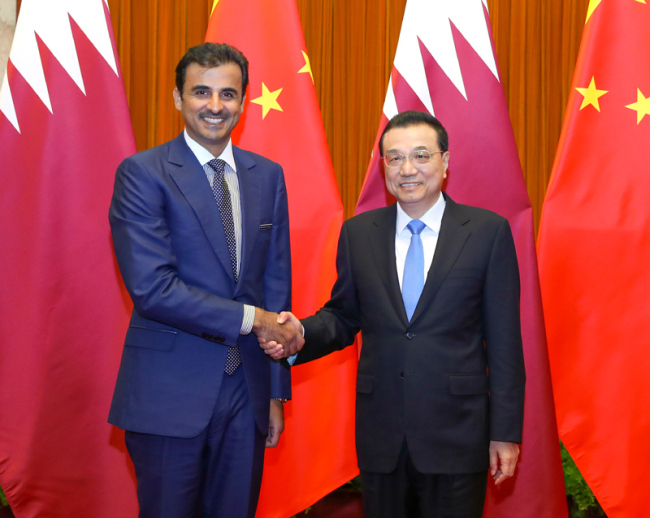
(172, 252)
(428, 380)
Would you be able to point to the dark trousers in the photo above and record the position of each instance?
(407, 493)
(219, 472)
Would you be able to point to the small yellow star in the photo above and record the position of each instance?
(641, 1)
(591, 95)
(592, 7)
(641, 106)
(213, 6)
(268, 100)
(307, 67)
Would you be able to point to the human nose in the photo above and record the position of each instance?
(215, 104)
(407, 169)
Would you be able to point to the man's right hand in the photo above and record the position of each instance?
(276, 349)
(279, 335)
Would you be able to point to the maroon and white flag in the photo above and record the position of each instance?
(64, 128)
(445, 64)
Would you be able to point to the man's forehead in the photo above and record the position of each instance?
(227, 75)
(417, 136)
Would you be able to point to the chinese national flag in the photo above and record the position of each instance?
(64, 128)
(282, 121)
(594, 249)
(445, 64)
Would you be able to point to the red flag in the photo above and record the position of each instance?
(64, 127)
(445, 64)
(594, 249)
(282, 122)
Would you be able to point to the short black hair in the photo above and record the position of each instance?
(413, 118)
(212, 55)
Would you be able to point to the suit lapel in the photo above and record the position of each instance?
(454, 233)
(193, 184)
(382, 243)
(251, 195)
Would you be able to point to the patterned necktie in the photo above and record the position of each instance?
(222, 195)
(413, 280)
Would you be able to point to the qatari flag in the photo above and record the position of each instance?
(445, 64)
(64, 128)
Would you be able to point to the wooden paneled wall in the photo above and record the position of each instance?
(351, 44)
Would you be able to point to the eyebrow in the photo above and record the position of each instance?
(206, 87)
(416, 148)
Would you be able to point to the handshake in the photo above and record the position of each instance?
(279, 335)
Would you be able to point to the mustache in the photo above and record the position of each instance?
(221, 114)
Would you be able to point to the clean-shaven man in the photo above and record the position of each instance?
(433, 286)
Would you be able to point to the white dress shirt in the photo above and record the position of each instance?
(432, 219)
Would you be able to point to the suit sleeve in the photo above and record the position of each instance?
(503, 342)
(144, 251)
(277, 282)
(335, 326)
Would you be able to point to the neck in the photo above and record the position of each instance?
(417, 211)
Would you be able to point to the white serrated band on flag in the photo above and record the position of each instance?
(429, 21)
(50, 20)
(7, 103)
(390, 103)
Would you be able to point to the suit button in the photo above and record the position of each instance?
(409, 335)
(401, 375)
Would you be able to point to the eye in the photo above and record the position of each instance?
(394, 159)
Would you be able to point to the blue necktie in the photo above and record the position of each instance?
(413, 280)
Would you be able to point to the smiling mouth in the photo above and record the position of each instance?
(411, 184)
(213, 120)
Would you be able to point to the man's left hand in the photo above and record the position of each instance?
(276, 423)
(503, 459)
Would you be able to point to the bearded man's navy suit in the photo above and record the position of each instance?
(188, 310)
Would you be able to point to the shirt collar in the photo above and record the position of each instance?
(431, 218)
(204, 156)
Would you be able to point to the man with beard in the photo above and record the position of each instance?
(201, 234)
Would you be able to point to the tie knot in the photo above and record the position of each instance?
(416, 226)
(218, 165)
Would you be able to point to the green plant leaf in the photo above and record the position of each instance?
(582, 502)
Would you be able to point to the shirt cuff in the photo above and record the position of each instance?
(248, 320)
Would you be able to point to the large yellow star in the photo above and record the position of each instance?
(592, 7)
(268, 100)
(594, 3)
(641, 106)
(307, 67)
(591, 95)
